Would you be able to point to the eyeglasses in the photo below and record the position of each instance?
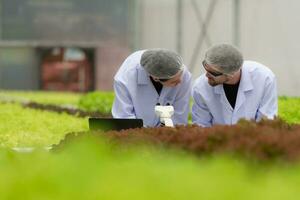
(215, 74)
(163, 79)
(167, 79)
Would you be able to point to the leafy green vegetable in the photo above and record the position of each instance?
(56, 98)
(289, 109)
(97, 101)
(21, 127)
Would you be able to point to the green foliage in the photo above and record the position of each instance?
(96, 170)
(57, 98)
(97, 101)
(21, 127)
(92, 169)
(289, 109)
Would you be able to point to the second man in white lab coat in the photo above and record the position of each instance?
(232, 89)
(148, 78)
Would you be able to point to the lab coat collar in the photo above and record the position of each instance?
(245, 86)
(143, 77)
(245, 83)
(218, 89)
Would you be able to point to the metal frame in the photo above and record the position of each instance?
(1, 18)
(204, 23)
(236, 24)
(179, 26)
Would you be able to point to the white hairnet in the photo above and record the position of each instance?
(161, 63)
(226, 56)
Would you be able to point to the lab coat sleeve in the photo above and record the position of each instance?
(200, 112)
(182, 102)
(269, 104)
(122, 106)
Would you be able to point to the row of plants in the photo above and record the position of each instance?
(71, 111)
(275, 139)
(44, 97)
(96, 102)
(117, 165)
(288, 107)
(101, 102)
(24, 127)
(99, 169)
(288, 111)
(267, 140)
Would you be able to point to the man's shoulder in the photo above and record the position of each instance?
(127, 75)
(257, 69)
(129, 67)
(186, 73)
(137, 54)
(133, 60)
(201, 83)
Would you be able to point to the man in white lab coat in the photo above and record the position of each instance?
(232, 89)
(148, 78)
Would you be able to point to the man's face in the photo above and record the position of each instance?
(215, 76)
(172, 82)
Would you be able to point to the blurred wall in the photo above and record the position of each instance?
(267, 32)
(270, 34)
(108, 59)
(19, 68)
(28, 26)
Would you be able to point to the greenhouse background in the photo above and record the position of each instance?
(57, 63)
(105, 32)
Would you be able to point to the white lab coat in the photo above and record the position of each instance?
(136, 97)
(256, 98)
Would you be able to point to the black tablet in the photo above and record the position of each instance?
(108, 124)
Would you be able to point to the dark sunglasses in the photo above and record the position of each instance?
(215, 74)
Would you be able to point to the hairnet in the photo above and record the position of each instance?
(161, 63)
(226, 56)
